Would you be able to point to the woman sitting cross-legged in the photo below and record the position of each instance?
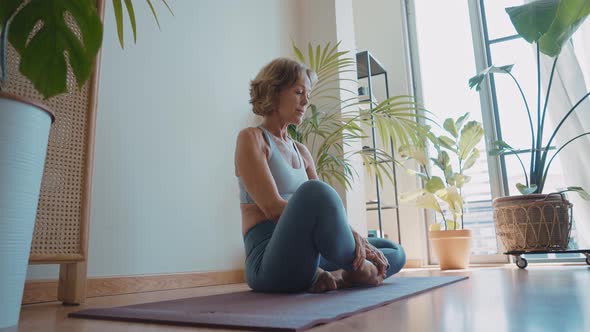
(296, 234)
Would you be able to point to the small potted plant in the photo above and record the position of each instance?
(537, 221)
(42, 33)
(443, 194)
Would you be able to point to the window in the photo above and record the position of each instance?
(446, 62)
(451, 48)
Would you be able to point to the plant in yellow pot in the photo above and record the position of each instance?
(443, 194)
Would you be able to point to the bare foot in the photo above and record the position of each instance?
(325, 282)
(366, 275)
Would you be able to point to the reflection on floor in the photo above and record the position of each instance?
(504, 298)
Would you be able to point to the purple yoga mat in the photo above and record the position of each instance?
(275, 312)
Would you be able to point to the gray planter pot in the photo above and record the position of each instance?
(24, 133)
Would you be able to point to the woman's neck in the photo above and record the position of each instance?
(276, 127)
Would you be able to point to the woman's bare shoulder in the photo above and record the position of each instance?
(251, 135)
(303, 149)
(252, 139)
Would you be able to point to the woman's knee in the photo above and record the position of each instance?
(380, 243)
(316, 191)
(396, 258)
(315, 186)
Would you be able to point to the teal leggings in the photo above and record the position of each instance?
(313, 231)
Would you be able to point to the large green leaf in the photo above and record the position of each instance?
(549, 22)
(532, 20)
(48, 73)
(471, 134)
(570, 15)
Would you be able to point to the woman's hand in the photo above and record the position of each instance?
(376, 257)
(359, 249)
(365, 250)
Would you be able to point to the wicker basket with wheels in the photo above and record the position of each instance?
(533, 222)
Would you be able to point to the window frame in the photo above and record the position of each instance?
(496, 167)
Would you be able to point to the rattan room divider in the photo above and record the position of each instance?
(63, 214)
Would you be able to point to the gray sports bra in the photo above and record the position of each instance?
(287, 178)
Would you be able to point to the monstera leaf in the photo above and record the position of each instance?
(40, 32)
(49, 71)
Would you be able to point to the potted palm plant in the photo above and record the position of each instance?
(444, 194)
(537, 221)
(42, 34)
(335, 123)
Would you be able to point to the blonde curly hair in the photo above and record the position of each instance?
(275, 76)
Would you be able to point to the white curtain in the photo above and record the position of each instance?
(570, 83)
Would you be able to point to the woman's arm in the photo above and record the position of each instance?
(252, 166)
(308, 161)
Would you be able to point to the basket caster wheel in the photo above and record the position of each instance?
(522, 263)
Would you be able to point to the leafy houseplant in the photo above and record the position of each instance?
(335, 123)
(443, 195)
(548, 24)
(49, 36)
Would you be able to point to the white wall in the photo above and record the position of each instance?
(332, 21)
(165, 196)
(379, 28)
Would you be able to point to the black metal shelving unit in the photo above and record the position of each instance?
(370, 68)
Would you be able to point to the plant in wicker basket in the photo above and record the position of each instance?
(535, 221)
(443, 194)
(48, 40)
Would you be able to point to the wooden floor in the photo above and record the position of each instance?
(505, 298)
